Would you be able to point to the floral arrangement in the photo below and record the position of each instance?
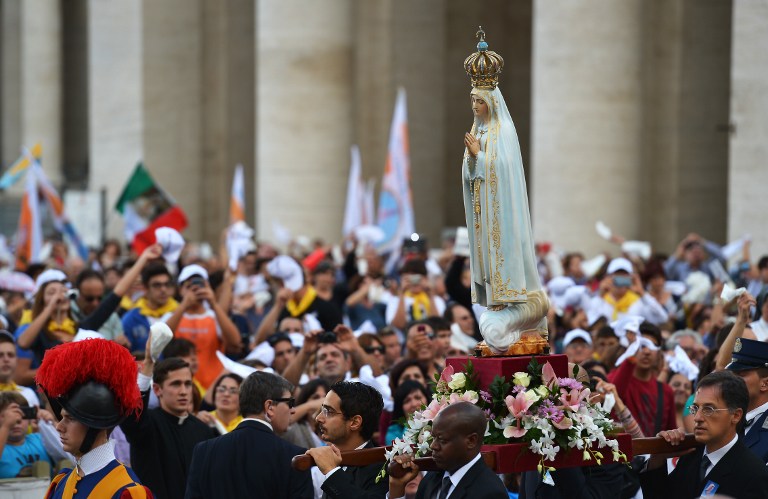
(548, 413)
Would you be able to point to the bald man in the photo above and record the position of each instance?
(457, 437)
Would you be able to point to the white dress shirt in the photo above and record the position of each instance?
(716, 456)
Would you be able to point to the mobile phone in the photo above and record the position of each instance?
(29, 412)
(197, 281)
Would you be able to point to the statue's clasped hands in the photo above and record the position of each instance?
(473, 145)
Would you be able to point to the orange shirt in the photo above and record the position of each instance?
(203, 330)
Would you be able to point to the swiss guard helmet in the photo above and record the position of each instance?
(94, 380)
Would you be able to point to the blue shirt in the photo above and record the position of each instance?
(17, 457)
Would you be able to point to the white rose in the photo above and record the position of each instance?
(532, 396)
(521, 379)
(542, 391)
(457, 382)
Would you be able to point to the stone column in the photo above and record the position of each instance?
(10, 86)
(304, 117)
(587, 116)
(228, 108)
(116, 112)
(41, 82)
(172, 38)
(748, 174)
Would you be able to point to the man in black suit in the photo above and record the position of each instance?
(723, 465)
(252, 461)
(457, 433)
(348, 418)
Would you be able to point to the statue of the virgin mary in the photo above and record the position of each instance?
(502, 256)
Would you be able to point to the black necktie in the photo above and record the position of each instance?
(445, 488)
(705, 462)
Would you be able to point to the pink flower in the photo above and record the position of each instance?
(548, 375)
(562, 424)
(432, 410)
(514, 431)
(447, 373)
(468, 396)
(572, 399)
(518, 404)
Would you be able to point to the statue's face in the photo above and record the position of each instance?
(479, 108)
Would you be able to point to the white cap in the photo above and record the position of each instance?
(50, 275)
(86, 334)
(171, 241)
(559, 285)
(285, 268)
(192, 270)
(263, 352)
(576, 334)
(618, 264)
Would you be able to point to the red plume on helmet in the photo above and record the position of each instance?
(68, 366)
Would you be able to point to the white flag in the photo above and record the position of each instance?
(395, 215)
(353, 211)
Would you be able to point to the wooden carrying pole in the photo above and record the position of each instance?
(364, 457)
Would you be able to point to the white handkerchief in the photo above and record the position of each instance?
(729, 293)
(161, 336)
(171, 241)
(235, 367)
(679, 362)
(603, 230)
(461, 246)
(734, 248)
(640, 249)
(369, 234)
(263, 353)
(609, 402)
(635, 347)
(677, 288)
(592, 266)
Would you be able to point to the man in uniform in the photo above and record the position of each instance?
(91, 386)
(750, 362)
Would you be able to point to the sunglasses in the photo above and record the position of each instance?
(289, 400)
(372, 350)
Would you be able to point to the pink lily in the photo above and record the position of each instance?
(548, 375)
(517, 406)
(572, 399)
(447, 373)
(432, 410)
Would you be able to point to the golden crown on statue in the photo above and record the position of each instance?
(484, 66)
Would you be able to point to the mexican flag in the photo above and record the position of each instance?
(145, 206)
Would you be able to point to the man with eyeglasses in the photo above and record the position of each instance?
(347, 420)
(723, 464)
(157, 304)
(251, 460)
(90, 291)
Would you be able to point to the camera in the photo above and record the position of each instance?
(327, 337)
(29, 412)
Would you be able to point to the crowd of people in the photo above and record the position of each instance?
(325, 349)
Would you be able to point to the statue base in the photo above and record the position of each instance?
(530, 343)
(517, 458)
(487, 368)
